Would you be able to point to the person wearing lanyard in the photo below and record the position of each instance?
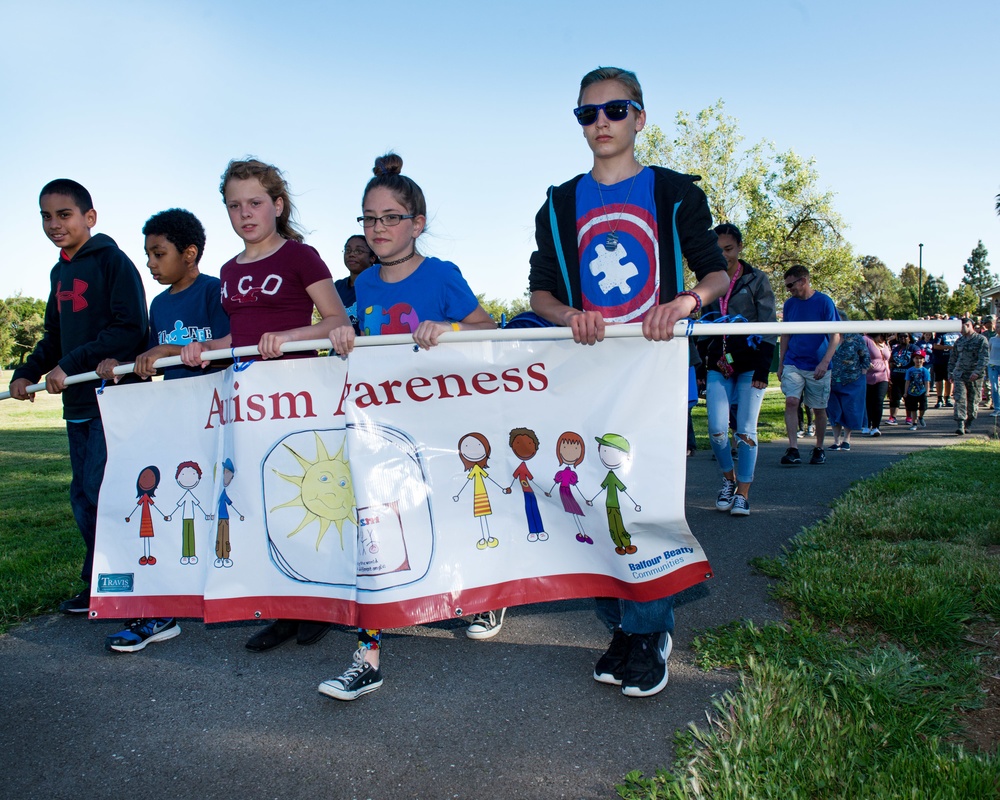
(737, 372)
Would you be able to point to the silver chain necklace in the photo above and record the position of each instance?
(611, 240)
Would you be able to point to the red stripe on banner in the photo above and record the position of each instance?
(398, 615)
(421, 610)
(123, 606)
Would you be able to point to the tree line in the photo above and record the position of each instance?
(22, 320)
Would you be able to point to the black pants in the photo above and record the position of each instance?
(875, 402)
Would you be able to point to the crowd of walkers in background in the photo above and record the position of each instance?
(840, 380)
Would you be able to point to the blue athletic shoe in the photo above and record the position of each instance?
(141, 632)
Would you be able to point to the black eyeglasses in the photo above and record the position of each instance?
(357, 251)
(389, 220)
(614, 110)
(790, 285)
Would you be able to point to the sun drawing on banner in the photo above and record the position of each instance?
(326, 492)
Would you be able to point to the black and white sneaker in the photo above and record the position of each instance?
(486, 625)
(646, 670)
(741, 507)
(818, 456)
(78, 604)
(359, 678)
(725, 500)
(791, 456)
(141, 632)
(610, 667)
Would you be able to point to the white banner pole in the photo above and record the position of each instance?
(684, 328)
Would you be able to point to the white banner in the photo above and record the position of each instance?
(402, 486)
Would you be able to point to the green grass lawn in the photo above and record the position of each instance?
(40, 546)
(875, 685)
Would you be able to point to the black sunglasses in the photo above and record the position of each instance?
(614, 110)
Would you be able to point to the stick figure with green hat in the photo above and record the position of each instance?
(614, 451)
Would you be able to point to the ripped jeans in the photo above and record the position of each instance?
(720, 394)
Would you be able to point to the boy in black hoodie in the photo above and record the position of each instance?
(96, 310)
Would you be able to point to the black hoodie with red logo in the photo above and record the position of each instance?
(96, 310)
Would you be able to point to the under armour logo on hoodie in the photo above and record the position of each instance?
(79, 301)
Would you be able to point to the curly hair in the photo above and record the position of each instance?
(179, 227)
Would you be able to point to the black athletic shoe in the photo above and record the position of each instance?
(78, 604)
(278, 632)
(610, 667)
(646, 670)
(818, 456)
(791, 456)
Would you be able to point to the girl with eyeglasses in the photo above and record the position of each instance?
(269, 291)
(404, 292)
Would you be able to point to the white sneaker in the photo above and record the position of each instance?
(486, 625)
(875, 432)
(865, 431)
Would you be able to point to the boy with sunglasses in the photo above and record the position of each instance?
(609, 251)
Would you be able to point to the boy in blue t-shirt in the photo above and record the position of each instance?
(918, 380)
(189, 310)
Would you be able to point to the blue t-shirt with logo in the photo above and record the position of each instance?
(192, 315)
(918, 377)
(620, 276)
(435, 291)
(806, 350)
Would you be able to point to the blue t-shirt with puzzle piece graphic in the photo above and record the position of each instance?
(192, 315)
(435, 290)
(619, 247)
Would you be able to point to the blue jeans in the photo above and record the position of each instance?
(653, 616)
(88, 453)
(994, 373)
(720, 394)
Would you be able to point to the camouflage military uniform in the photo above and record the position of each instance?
(969, 357)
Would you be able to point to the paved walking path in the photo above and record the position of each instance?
(515, 717)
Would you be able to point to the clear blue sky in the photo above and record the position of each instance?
(144, 103)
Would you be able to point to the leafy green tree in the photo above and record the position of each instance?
(24, 322)
(877, 293)
(963, 301)
(978, 276)
(509, 308)
(912, 285)
(7, 320)
(708, 144)
(935, 300)
(774, 197)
